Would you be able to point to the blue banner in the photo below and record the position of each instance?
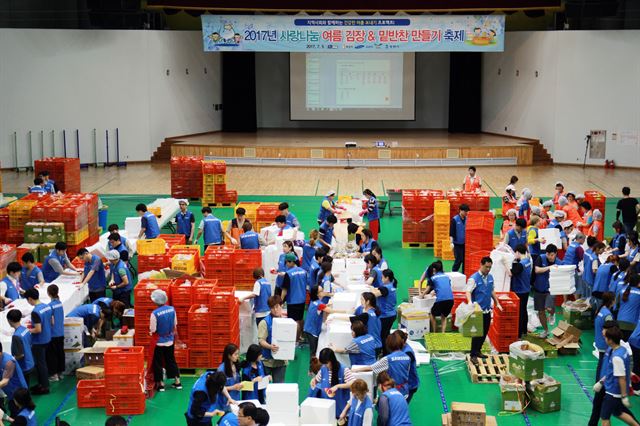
(279, 33)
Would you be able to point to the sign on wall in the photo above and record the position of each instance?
(302, 33)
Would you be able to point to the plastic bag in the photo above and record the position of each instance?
(464, 311)
(525, 350)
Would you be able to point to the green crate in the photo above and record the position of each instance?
(545, 398)
(53, 232)
(33, 232)
(473, 326)
(581, 320)
(526, 369)
(44, 250)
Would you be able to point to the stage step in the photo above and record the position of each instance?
(540, 154)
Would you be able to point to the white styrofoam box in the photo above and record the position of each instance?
(502, 260)
(286, 350)
(284, 329)
(357, 289)
(355, 266)
(286, 418)
(424, 304)
(282, 397)
(367, 376)
(551, 236)
(416, 346)
(458, 281)
(339, 267)
(345, 302)
(339, 334)
(132, 226)
(125, 340)
(318, 410)
(73, 333)
(72, 361)
(416, 325)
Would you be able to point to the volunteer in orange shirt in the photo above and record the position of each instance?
(472, 183)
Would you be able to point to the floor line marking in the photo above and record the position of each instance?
(604, 190)
(445, 408)
(580, 383)
(317, 185)
(66, 398)
(494, 192)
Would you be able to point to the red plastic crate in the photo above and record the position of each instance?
(126, 404)
(181, 295)
(199, 359)
(182, 357)
(91, 393)
(478, 220)
(124, 383)
(124, 360)
(198, 318)
(173, 239)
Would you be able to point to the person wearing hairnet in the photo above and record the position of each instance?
(185, 221)
(120, 279)
(162, 327)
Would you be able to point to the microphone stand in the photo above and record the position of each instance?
(586, 149)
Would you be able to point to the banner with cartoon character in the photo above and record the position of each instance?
(301, 33)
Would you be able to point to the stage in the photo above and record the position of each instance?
(403, 148)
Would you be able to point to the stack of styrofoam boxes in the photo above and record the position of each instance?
(284, 336)
(318, 411)
(458, 281)
(345, 302)
(339, 335)
(441, 222)
(478, 239)
(73, 335)
(562, 280)
(282, 403)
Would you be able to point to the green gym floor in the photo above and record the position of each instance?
(437, 391)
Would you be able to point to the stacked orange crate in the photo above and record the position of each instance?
(202, 288)
(65, 172)
(7, 255)
(19, 214)
(124, 372)
(244, 262)
(217, 263)
(225, 321)
(505, 322)
(144, 307)
(4, 223)
(477, 201)
(478, 239)
(91, 393)
(417, 207)
(186, 177)
(153, 262)
(200, 337)
(193, 250)
(265, 215)
(181, 300)
(173, 239)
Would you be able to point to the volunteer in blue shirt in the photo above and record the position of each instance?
(573, 256)
(543, 302)
(328, 207)
(314, 268)
(521, 284)
(313, 320)
(31, 274)
(162, 326)
(250, 239)
(414, 380)
(9, 286)
(253, 371)
(591, 262)
(393, 409)
(48, 184)
(260, 295)
(57, 263)
(12, 378)
(231, 369)
(603, 277)
(629, 307)
(114, 231)
(292, 220)
(517, 235)
(534, 239)
(362, 349)
(359, 410)
(480, 290)
(149, 227)
(457, 231)
(92, 316)
(382, 262)
(42, 322)
(368, 242)
(326, 232)
(294, 291)
(372, 212)
(94, 274)
(387, 299)
(619, 240)
(616, 381)
(440, 284)
(274, 367)
(26, 409)
(248, 415)
(185, 221)
(281, 271)
(603, 314)
(333, 381)
(21, 343)
(309, 250)
(37, 187)
(203, 401)
(55, 350)
(211, 227)
(368, 313)
(281, 224)
(120, 279)
(373, 274)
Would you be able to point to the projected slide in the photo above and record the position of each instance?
(355, 86)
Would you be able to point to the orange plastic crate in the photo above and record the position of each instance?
(124, 360)
(91, 393)
(125, 404)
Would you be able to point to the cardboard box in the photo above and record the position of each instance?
(416, 323)
(90, 372)
(565, 338)
(125, 340)
(473, 326)
(33, 233)
(526, 369)
(447, 420)
(513, 393)
(44, 250)
(72, 361)
(467, 414)
(95, 354)
(545, 395)
(579, 319)
(318, 410)
(73, 333)
(52, 232)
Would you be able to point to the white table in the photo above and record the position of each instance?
(71, 296)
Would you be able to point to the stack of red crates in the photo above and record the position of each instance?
(7, 255)
(505, 322)
(417, 204)
(65, 172)
(154, 262)
(217, 263)
(91, 393)
(124, 372)
(144, 307)
(266, 214)
(200, 337)
(186, 177)
(91, 200)
(598, 201)
(477, 201)
(181, 300)
(4, 223)
(225, 326)
(173, 239)
(244, 262)
(478, 239)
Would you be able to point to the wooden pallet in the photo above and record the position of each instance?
(488, 370)
(219, 205)
(417, 245)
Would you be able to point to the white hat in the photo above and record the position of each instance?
(330, 193)
(559, 214)
(562, 201)
(570, 192)
(159, 297)
(580, 197)
(514, 211)
(183, 200)
(597, 214)
(560, 183)
(547, 203)
(113, 255)
(510, 188)
(567, 223)
(535, 210)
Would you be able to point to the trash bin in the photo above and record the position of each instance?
(102, 217)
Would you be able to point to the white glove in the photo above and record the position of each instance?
(451, 246)
(597, 387)
(626, 402)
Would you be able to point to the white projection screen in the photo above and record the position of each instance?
(352, 86)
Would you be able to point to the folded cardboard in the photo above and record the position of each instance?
(95, 354)
(318, 410)
(566, 338)
(90, 372)
(468, 414)
(125, 340)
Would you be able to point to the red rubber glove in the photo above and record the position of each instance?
(362, 213)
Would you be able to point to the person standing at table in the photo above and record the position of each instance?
(457, 232)
(162, 327)
(42, 321)
(55, 350)
(326, 232)
(211, 227)
(21, 344)
(292, 220)
(115, 231)
(480, 290)
(328, 207)
(516, 236)
(149, 227)
(250, 239)
(203, 401)
(261, 293)
(274, 367)
(9, 288)
(472, 183)
(120, 279)
(294, 292)
(94, 274)
(115, 242)
(31, 274)
(521, 284)
(235, 226)
(372, 212)
(359, 411)
(48, 184)
(57, 263)
(37, 187)
(392, 406)
(185, 221)
(230, 366)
